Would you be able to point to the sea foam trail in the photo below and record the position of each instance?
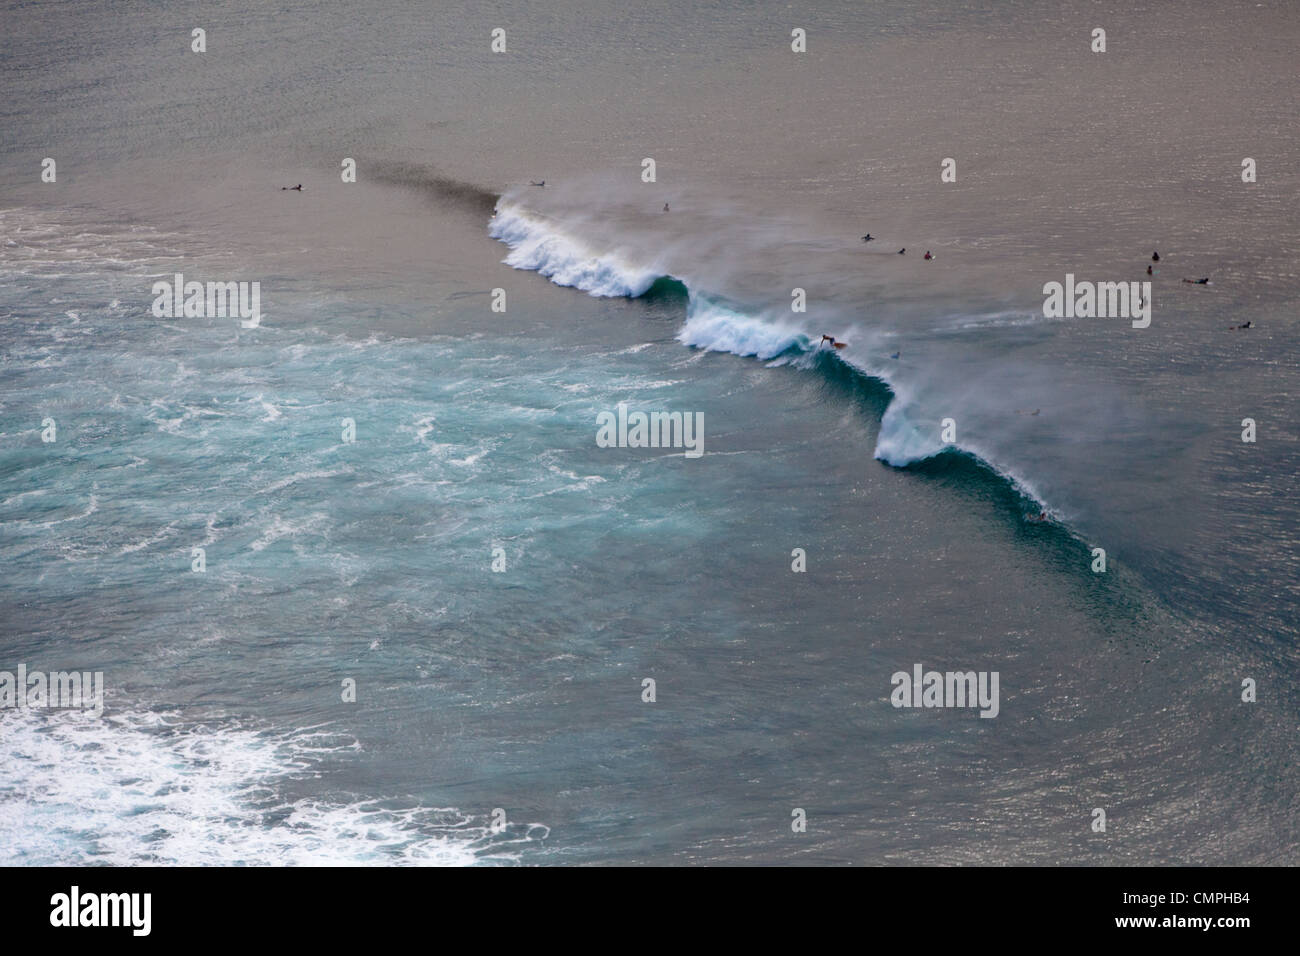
(537, 244)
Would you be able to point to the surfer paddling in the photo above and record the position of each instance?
(297, 188)
(542, 183)
(1205, 281)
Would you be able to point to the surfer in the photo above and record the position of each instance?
(1148, 270)
(927, 255)
(1205, 281)
(902, 250)
(1155, 257)
(834, 344)
(297, 188)
(542, 183)
(665, 207)
(868, 237)
(1246, 325)
(896, 355)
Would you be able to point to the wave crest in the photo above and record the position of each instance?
(538, 246)
(713, 324)
(715, 327)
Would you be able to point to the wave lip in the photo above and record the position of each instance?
(537, 246)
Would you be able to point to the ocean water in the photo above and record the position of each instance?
(498, 585)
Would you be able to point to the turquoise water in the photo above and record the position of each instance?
(227, 737)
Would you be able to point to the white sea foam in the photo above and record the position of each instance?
(142, 788)
(280, 528)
